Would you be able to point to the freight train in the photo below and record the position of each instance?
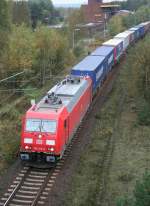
(49, 125)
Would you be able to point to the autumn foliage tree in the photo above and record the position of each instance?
(4, 24)
(21, 13)
(115, 25)
(21, 50)
(41, 11)
(52, 50)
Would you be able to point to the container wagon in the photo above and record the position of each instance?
(118, 47)
(108, 53)
(93, 66)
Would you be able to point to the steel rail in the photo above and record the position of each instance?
(16, 189)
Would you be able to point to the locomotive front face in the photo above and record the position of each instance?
(39, 136)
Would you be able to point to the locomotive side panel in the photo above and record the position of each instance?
(80, 109)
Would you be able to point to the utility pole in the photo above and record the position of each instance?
(73, 37)
(105, 22)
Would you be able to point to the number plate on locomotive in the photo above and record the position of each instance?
(39, 141)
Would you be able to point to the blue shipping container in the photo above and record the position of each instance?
(136, 32)
(141, 30)
(93, 66)
(108, 53)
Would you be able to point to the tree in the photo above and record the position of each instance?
(75, 18)
(42, 10)
(141, 15)
(4, 24)
(115, 25)
(134, 4)
(52, 50)
(20, 53)
(21, 13)
(141, 196)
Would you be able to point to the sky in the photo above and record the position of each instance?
(73, 1)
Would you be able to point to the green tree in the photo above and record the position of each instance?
(141, 195)
(134, 4)
(21, 13)
(4, 24)
(141, 15)
(52, 51)
(115, 25)
(42, 10)
(20, 53)
(74, 19)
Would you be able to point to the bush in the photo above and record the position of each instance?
(141, 195)
(142, 191)
(144, 115)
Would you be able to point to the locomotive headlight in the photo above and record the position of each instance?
(50, 142)
(52, 149)
(28, 140)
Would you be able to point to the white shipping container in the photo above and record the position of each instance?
(131, 33)
(125, 38)
(112, 42)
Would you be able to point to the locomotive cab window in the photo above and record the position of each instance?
(37, 125)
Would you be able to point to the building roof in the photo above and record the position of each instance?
(109, 6)
(89, 63)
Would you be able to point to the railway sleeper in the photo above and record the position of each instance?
(35, 176)
(41, 202)
(25, 196)
(32, 184)
(34, 180)
(22, 201)
(30, 188)
(27, 192)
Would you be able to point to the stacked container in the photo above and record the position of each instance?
(136, 32)
(108, 53)
(146, 26)
(125, 37)
(141, 30)
(118, 47)
(131, 35)
(93, 66)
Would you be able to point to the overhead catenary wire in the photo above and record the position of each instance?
(10, 77)
(17, 90)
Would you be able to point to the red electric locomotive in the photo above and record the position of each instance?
(49, 125)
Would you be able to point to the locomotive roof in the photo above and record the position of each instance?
(89, 63)
(102, 51)
(68, 92)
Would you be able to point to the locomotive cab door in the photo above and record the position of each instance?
(66, 128)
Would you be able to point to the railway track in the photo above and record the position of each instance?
(31, 186)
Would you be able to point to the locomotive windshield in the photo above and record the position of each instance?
(38, 125)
